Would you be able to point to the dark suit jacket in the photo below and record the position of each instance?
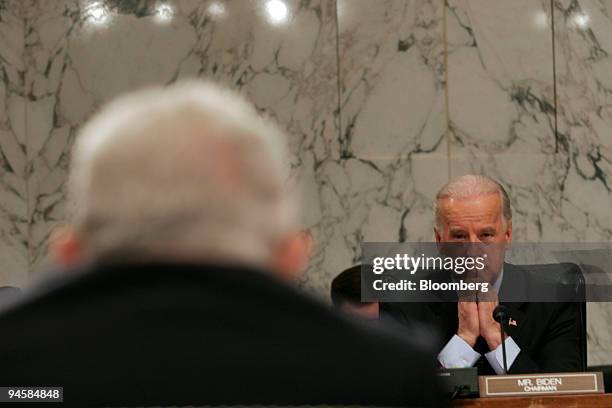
(167, 334)
(547, 332)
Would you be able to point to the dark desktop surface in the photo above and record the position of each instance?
(460, 382)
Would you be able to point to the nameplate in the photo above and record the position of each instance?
(541, 384)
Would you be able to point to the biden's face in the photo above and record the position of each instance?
(478, 222)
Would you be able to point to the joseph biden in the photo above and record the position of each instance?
(541, 337)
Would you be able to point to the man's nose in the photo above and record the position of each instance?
(474, 246)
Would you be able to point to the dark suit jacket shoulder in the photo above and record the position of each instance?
(166, 334)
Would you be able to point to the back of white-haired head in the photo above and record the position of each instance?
(472, 185)
(190, 167)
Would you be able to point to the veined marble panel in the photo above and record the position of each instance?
(500, 74)
(80, 54)
(391, 157)
(599, 336)
(502, 106)
(583, 36)
(280, 54)
(13, 152)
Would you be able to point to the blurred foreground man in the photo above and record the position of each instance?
(542, 337)
(181, 237)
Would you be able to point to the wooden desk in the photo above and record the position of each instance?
(574, 401)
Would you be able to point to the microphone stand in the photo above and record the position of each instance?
(503, 340)
(500, 315)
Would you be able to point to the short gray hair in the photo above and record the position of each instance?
(190, 166)
(472, 185)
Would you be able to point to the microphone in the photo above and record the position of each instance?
(501, 314)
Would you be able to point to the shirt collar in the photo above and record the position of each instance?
(498, 282)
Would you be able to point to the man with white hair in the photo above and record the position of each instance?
(182, 237)
(474, 212)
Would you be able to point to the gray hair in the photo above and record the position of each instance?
(472, 185)
(190, 168)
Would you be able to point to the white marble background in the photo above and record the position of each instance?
(384, 102)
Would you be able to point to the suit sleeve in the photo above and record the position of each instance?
(559, 350)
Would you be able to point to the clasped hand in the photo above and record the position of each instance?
(476, 319)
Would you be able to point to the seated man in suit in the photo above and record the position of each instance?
(542, 337)
(181, 244)
(346, 294)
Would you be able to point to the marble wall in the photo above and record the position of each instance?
(14, 205)
(384, 102)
